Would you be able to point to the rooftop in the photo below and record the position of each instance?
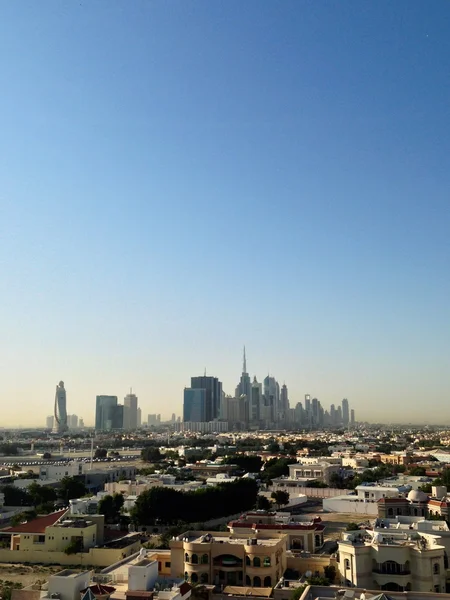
(39, 525)
(221, 538)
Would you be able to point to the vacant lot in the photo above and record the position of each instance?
(26, 574)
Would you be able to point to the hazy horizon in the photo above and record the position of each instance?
(180, 179)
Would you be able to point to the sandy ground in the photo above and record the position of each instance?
(26, 574)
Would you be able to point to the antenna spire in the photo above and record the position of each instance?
(244, 370)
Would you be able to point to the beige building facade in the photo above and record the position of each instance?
(236, 560)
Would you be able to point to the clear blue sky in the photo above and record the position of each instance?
(179, 178)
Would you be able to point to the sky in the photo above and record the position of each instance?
(180, 178)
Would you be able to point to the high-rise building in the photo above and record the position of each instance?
(244, 387)
(213, 395)
(60, 412)
(105, 412)
(50, 421)
(130, 403)
(139, 417)
(194, 405)
(352, 416)
(72, 421)
(80, 423)
(256, 402)
(271, 397)
(345, 412)
(284, 398)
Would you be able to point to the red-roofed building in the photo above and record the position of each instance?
(38, 525)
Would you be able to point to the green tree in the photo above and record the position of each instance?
(41, 494)
(330, 572)
(6, 588)
(75, 546)
(14, 496)
(263, 503)
(417, 471)
(352, 527)
(22, 517)
(70, 488)
(110, 506)
(280, 498)
(100, 453)
(276, 468)
(151, 454)
(249, 464)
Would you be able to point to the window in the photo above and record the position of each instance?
(268, 581)
(186, 576)
(247, 561)
(186, 557)
(167, 565)
(204, 578)
(256, 561)
(194, 559)
(266, 561)
(346, 564)
(248, 581)
(257, 581)
(436, 569)
(204, 559)
(194, 577)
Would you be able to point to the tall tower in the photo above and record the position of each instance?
(60, 411)
(244, 387)
(130, 403)
(213, 390)
(345, 413)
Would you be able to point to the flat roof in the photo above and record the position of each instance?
(231, 539)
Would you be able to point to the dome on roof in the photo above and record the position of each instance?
(417, 496)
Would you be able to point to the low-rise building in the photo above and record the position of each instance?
(318, 471)
(392, 560)
(302, 536)
(228, 560)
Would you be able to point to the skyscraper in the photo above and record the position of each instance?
(352, 417)
(256, 403)
(60, 412)
(50, 421)
(213, 391)
(284, 398)
(105, 414)
(130, 412)
(244, 387)
(194, 405)
(345, 412)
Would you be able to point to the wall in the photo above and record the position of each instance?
(350, 506)
(312, 492)
(97, 557)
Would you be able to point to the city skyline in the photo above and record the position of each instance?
(147, 179)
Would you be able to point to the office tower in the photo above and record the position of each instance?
(116, 414)
(339, 415)
(284, 399)
(152, 420)
(332, 415)
(130, 403)
(352, 416)
(235, 410)
(158, 418)
(244, 387)
(139, 417)
(213, 395)
(104, 412)
(256, 401)
(49, 422)
(345, 412)
(194, 405)
(271, 397)
(315, 412)
(174, 418)
(80, 423)
(72, 421)
(299, 414)
(60, 412)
